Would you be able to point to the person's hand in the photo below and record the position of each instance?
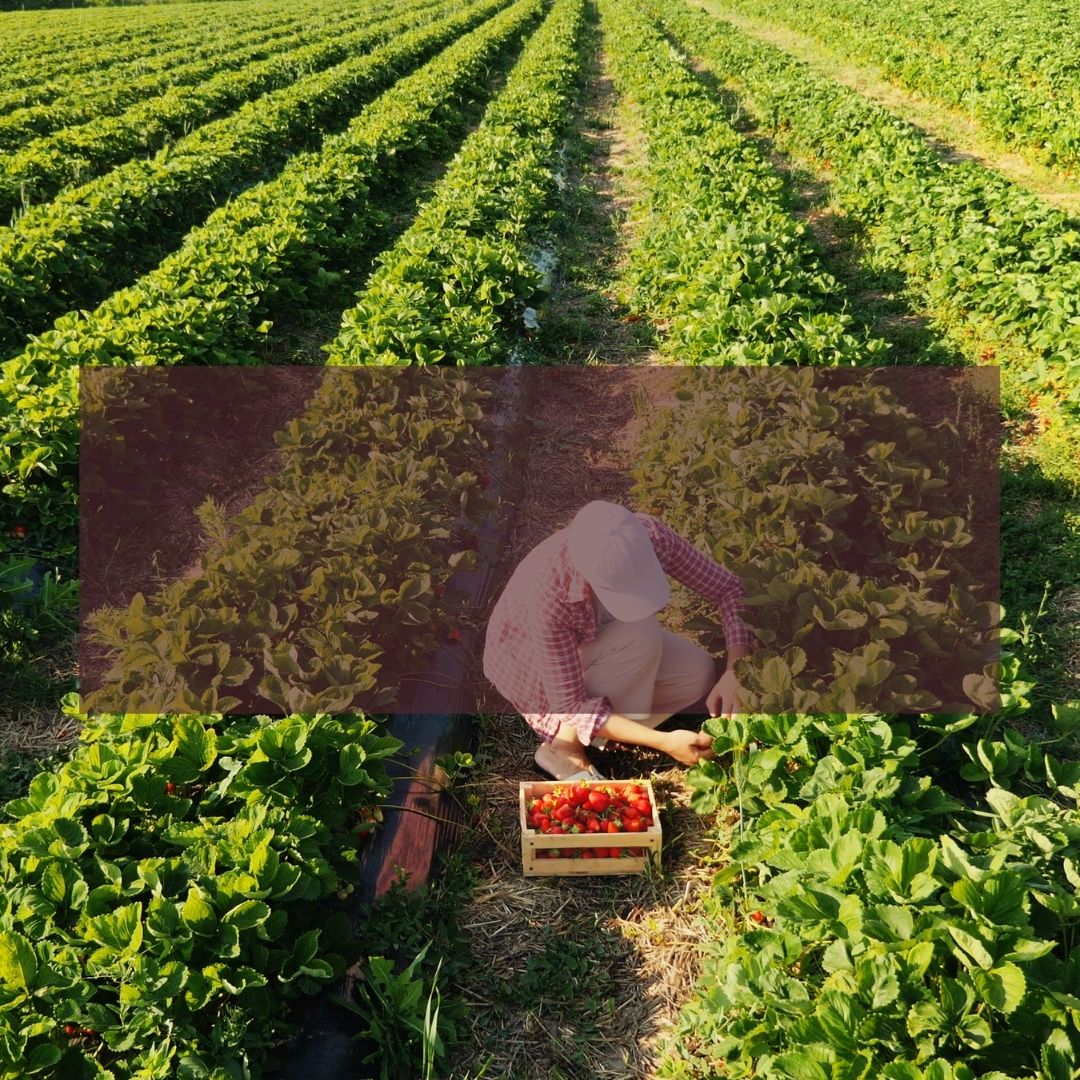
(689, 747)
(723, 699)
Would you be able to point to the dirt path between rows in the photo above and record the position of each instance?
(580, 977)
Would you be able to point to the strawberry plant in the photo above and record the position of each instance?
(460, 276)
(166, 888)
(36, 171)
(1001, 66)
(57, 256)
(720, 264)
(979, 253)
(842, 524)
(290, 614)
(204, 302)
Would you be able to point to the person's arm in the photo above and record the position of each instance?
(709, 579)
(689, 747)
(723, 698)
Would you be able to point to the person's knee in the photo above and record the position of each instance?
(645, 640)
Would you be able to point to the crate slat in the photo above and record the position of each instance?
(532, 842)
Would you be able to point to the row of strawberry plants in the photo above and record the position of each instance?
(1001, 65)
(450, 287)
(981, 254)
(844, 941)
(203, 303)
(719, 261)
(38, 35)
(64, 255)
(37, 171)
(31, 79)
(870, 924)
(33, 34)
(288, 613)
(85, 101)
(867, 588)
(168, 893)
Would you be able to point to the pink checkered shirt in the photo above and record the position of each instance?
(544, 614)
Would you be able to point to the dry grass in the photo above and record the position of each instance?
(577, 977)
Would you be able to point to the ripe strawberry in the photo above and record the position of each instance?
(758, 917)
(170, 788)
(70, 1029)
(454, 636)
(20, 531)
(439, 591)
(599, 801)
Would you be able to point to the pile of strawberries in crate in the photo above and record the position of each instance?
(588, 809)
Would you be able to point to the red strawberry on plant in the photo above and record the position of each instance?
(20, 531)
(454, 636)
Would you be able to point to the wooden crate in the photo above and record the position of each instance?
(532, 842)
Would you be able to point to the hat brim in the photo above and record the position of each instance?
(633, 607)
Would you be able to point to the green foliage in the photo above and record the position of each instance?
(171, 879)
(719, 261)
(61, 254)
(882, 924)
(459, 277)
(205, 302)
(401, 1018)
(291, 612)
(1007, 68)
(975, 248)
(838, 507)
(94, 139)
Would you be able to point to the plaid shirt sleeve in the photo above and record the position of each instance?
(682, 561)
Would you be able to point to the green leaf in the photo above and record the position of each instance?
(1066, 716)
(43, 1056)
(1003, 988)
(351, 759)
(976, 951)
(119, 931)
(800, 1066)
(999, 899)
(248, 914)
(198, 913)
(18, 964)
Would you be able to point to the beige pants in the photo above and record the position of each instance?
(646, 672)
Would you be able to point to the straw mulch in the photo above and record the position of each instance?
(576, 977)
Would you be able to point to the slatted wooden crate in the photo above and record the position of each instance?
(534, 864)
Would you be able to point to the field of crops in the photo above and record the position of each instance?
(414, 185)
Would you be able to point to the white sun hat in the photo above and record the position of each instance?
(611, 549)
